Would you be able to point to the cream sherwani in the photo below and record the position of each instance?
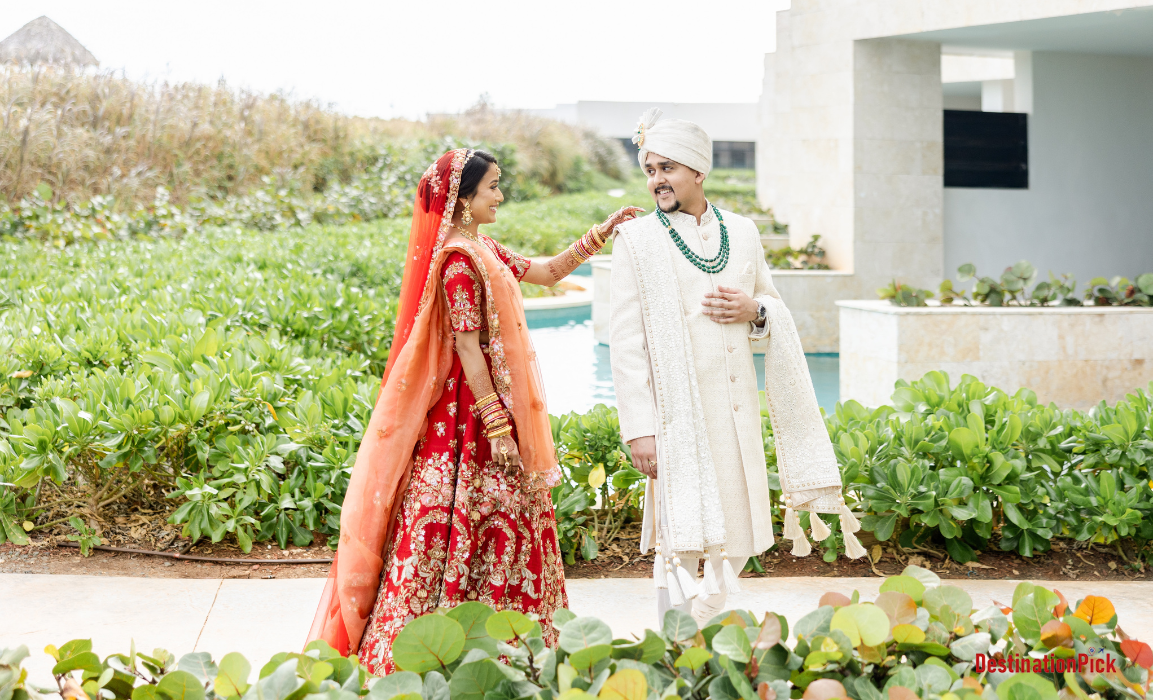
(723, 359)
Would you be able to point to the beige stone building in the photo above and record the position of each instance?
(917, 135)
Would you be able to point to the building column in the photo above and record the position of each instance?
(898, 163)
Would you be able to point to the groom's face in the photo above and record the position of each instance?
(672, 184)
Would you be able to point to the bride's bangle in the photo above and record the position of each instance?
(587, 245)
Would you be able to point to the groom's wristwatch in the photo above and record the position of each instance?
(761, 313)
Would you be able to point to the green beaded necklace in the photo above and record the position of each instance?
(712, 266)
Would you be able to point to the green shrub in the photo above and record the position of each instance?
(231, 372)
(918, 639)
(1013, 289)
(602, 490)
(952, 465)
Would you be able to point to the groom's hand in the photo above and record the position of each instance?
(729, 305)
(644, 451)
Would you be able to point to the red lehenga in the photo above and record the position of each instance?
(429, 520)
(499, 546)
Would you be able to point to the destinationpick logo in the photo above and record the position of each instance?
(1081, 663)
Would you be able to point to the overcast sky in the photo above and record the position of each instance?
(389, 58)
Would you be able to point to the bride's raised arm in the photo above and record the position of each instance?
(582, 249)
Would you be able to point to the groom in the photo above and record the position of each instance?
(690, 291)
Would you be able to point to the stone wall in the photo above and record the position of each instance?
(851, 138)
(1072, 356)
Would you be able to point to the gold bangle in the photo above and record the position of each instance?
(486, 400)
(499, 432)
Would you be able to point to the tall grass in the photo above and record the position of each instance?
(87, 134)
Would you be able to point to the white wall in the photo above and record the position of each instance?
(1089, 206)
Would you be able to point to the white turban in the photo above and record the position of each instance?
(680, 140)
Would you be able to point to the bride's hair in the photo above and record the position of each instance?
(473, 173)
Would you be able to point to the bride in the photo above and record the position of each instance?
(449, 497)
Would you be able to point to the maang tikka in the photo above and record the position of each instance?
(466, 217)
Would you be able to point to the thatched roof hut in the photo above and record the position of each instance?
(44, 41)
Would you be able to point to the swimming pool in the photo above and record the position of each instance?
(577, 374)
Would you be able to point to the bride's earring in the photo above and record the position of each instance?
(466, 217)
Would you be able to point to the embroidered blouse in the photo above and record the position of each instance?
(465, 290)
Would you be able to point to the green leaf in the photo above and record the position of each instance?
(427, 643)
(647, 651)
(146, 692)
(232, 676)
(588, 657)
(181, 685)
(904, 584)
(508, 624)
(815, 623)
(159, 359)
(584, 632)
(398, 683)
(952, 596)
(693, 658)
(963, 443)
(279, 684)
(472, 617)
(967, 648)
(1026, 686)
(927, 578)
(862, 623)
(198, 406)
(207, 344)
(733, 643)
(1032, 612)
(85, 661)
(678, 625)
(199, 664)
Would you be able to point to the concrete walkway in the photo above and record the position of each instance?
(261, 617)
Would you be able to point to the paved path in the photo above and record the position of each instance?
(262, 617)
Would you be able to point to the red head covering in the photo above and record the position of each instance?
(431, 217)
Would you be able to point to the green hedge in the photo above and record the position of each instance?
(951, 465)
(233, 372)
(917, 639)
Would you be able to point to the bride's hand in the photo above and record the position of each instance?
(619, 217)
(505, 454)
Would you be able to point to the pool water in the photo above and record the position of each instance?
(577, 374)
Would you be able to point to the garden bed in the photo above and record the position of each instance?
(621, 559)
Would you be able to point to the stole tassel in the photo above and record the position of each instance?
(709, 582)
(793, 531)
(688, 584)
(820, 529)
(659, 566)
(850, 525)
(675, 595)
(728, 574)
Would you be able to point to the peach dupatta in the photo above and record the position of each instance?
(384, 461)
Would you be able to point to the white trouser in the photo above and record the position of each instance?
(704, 607)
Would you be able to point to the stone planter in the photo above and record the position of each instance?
(1072, 356)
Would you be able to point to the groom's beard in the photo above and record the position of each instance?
(675, 207)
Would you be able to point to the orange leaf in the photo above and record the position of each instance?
(900, 692)
(825, 689)
(1057, 634)
(1096, 610)
(972, 684)
(1004, 608)
(1138, 652)
(837, 600)
(1060, 608)
(766, 692)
